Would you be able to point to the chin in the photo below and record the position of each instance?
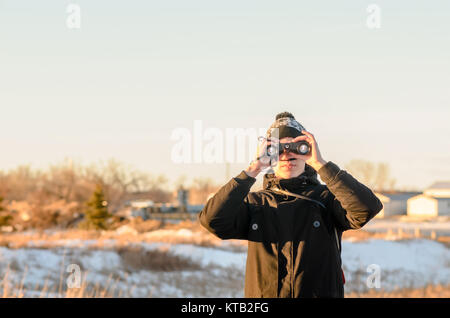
(292, 174)
(287, 174)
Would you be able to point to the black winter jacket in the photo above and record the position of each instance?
(292, 250)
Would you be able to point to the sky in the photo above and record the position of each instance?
(136, 71)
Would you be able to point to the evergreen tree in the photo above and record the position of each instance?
(97, 210)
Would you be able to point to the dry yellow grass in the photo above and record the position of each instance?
(186, 232)
(362, 235)
(57, 291)
(153, 230)
(429, 291)
(22, 239)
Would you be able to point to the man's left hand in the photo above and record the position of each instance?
(313, 158)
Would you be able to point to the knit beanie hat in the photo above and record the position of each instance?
(287, 126)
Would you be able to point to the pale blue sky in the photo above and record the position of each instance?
(136, 70)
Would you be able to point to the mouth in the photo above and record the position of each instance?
(289, 159)
(288, 163)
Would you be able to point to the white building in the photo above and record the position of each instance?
(439, 189)
(141, 208)
(394, 203)
(141, 204)
(435, 201)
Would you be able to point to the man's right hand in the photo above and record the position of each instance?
(262, 159)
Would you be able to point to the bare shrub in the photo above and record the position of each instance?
(135, 258)
(145, 226)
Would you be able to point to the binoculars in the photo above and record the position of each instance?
(300, 148)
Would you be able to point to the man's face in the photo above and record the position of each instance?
(289, 165)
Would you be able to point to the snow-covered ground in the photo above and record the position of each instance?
(220, 271)
(402, 264)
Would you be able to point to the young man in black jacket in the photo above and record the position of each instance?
(294, 225)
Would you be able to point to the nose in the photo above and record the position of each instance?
(285, 155)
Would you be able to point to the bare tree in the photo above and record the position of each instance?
(120, 180)
(117, 179)
(4, 178)
(376, 176)
(153, 188)
(61, 181)
(19, 183)
(181, 182)
(64, 188)
(200, 189)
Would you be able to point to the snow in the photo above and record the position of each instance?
(206, 256)
(97, 261)
(406, 263)
(407, 255)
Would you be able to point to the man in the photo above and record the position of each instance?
(293, 234)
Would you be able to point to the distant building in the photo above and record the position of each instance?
(195, 208)
(435, 201)
(183, 198)
(141, 204)
(146, 208)
(394, 203)
(439, 189)
(141, 208)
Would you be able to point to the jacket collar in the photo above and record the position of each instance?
(308, 177)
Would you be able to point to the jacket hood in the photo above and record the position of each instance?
(308, 177)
